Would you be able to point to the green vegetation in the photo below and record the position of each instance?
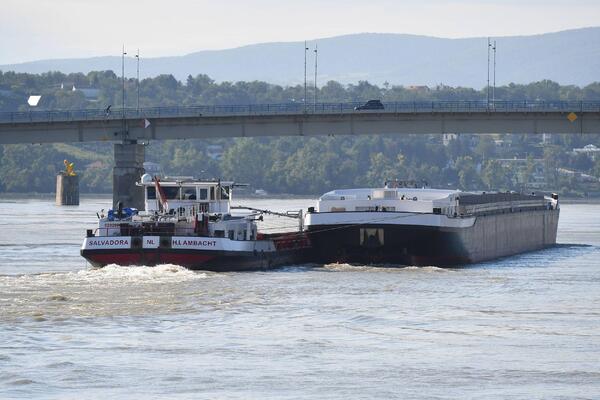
(303, 165)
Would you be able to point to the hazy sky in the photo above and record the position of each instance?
(40, 29)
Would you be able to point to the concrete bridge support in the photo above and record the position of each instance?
(67, 190)
(129, 167)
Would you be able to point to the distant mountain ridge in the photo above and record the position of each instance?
(567, 57)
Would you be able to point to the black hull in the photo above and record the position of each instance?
(491, 237)
(402, 245)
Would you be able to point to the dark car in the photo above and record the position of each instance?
(371, 105)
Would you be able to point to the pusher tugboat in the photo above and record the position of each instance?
(188, 222)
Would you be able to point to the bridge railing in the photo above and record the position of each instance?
(475, 106)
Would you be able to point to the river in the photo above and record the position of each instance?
(524, 327)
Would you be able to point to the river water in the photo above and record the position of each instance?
(525, 327)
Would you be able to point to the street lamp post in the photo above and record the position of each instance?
(304, 100)
(488, 73)
(494, 89)
(316, 56)
(123, 79)
(137, 56)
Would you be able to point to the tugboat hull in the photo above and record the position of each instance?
(198, 253)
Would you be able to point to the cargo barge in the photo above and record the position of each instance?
(403, 224)
(189, 222)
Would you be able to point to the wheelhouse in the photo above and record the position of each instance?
(187, 193)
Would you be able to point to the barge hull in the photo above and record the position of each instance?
(489, 237)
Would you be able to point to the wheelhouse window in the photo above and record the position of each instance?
(151, 193)
(188, 193)
(203, 194)
(212, 192)
(171, 192)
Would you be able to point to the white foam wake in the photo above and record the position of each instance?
(110, 275)
(382, 268)
(142, 274)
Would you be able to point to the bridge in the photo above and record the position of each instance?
(129, 127)
(296, 119)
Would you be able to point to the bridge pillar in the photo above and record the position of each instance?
(129, 167)
(67, 190)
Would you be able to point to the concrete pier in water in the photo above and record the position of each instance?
(67, 190)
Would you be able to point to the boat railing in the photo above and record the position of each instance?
(192, 211)
(139, 230)
(180, 211)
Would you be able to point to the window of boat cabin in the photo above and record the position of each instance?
(188, 193)
(203, 194)
(212, 192)
(171, 192)
(151, 193)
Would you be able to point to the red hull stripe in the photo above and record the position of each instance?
(184, 259)
(115, 258)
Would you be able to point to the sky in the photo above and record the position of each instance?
(49, 29)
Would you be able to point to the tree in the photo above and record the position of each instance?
(485, 148)
(551, 164)
(494, 176)
(468, 177)
(383, 169)
(529, 168)
(245, 160)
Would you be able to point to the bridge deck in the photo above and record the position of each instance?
(300, 109)
(299, 119)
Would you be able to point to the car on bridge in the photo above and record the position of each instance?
(371, 105)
